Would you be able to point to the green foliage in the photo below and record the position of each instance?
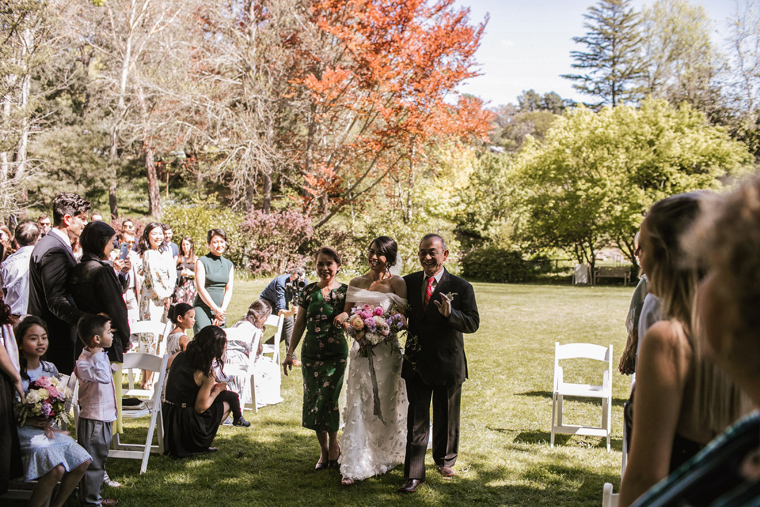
(612, 58)
(490, 211)
(588, 185)
(197, 218)
(495, 264)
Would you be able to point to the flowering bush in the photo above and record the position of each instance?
(274, 240)
(46, 398)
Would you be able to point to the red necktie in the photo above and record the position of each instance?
(429, 290)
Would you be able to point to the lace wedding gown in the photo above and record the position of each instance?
(370, 444)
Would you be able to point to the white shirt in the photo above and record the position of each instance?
(15, 276)
(61, 234)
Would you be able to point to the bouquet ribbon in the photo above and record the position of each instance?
(375, 395)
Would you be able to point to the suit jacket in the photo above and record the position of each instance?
(95, 289)
(49, 298)
(438, 354)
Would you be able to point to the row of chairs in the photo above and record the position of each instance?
(150, 407)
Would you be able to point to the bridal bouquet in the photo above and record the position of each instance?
(371, 325)
(46, 399)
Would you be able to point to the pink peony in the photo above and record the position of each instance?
(53, 392)
(378, 311)
(44, 381)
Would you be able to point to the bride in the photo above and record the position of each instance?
(374, 438)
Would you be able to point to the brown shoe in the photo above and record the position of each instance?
(446, 471)
(411, 486)
(109, 502)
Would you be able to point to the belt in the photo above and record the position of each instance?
(181, 405)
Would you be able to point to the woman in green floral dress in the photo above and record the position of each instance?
(323, 354)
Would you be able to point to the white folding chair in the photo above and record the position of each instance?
(152, 409)
(72, 383)
(245, 372)
(562, 389)
(154, 328)
(162, 342)
(274, 349)
(609, 499)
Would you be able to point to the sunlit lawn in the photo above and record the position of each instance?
(504, 458)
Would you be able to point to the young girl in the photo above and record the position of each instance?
(41, 445)
(182, 316)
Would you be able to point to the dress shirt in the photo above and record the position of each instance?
(97, 394)
(62, 235)
(425, 279)
(15, 276)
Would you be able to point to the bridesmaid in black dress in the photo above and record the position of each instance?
(196, 404)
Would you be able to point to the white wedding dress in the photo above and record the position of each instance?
(371, 444)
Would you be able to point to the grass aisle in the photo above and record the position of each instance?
(504, 459)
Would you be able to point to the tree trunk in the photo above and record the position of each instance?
(154, 193)
(267, 191)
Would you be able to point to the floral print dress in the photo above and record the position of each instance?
(323, 357)
(157, 285)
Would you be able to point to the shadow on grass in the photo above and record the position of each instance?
(616, 402)
(544, 438)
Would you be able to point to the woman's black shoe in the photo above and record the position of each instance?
(322, 466)
(240, 421)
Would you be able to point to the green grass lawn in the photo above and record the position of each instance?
(504, 456)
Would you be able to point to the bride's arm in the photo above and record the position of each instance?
(341, 319)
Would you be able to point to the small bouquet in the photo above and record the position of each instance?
(46, 399)
(371, 326)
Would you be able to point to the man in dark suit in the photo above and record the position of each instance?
(442, 308)
(49, 267)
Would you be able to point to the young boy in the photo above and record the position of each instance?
(97, 404)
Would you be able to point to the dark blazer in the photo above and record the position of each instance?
(49, 298)
(96, 289)
(438, 354)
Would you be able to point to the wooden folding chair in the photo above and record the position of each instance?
(151, 408)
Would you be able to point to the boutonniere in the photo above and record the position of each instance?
(451, 295)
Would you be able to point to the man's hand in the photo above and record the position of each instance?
(118, 265)
(127, 265)
(444, 306)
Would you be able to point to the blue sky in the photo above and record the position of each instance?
(527, 44)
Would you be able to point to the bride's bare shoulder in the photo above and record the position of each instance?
(398, 285)
(360, 282)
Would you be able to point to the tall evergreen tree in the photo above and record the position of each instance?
(612, 59)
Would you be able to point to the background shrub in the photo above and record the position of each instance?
(496, 264)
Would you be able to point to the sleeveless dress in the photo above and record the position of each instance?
(371, 446)
(40, 454)
(185, 431)
(217, 275)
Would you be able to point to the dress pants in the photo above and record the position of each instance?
(446, 404)
(95, 437)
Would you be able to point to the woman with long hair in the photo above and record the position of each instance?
(186, 260)
(681, 401)
(195, 402)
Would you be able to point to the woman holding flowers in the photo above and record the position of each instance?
(48, 454)
(323, 354)
(374, 438)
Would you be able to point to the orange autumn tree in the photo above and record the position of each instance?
(380, 88)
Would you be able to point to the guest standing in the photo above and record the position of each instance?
(15, 269)
(681, 401)
(96, 289)
(10, 382)
(49, 267)
(43, 222)
(97, 402)
(214, 276)
(186, 260)
(158, 282)
(323, 354)
(280, 293)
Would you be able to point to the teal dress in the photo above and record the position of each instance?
(217, 275)
(323, 357)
